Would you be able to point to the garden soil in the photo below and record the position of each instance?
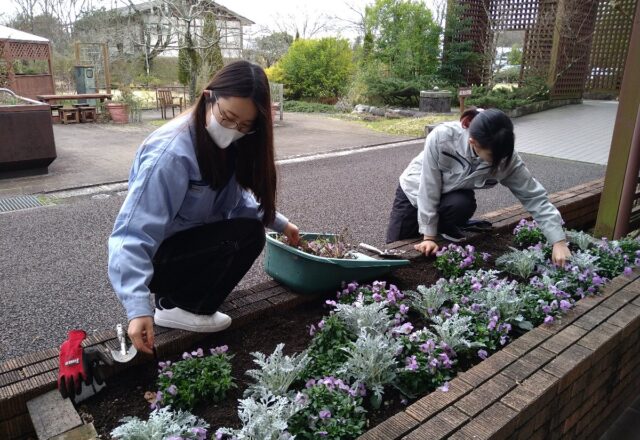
(124, 394)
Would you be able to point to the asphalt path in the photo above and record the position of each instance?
(53, 259)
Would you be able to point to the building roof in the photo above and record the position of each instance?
(146, 6)
(7, 33)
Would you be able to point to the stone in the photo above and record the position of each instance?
(435, 101)
(52, 415)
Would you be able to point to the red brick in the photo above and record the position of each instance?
(563, 339)
(541, 383)
(598, 314)
(440, 426)
(436, 401)
(496, 422)
(625, 316)
(483, 396)
(526, 342)
(569, 365)
(620, 298)
(393, 428)
(528, 364)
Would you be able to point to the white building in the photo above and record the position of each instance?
(161, 24)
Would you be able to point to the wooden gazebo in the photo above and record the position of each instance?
(17, 45)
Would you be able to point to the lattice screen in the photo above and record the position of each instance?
(27, 51)
(591, 38)
(91, 54)
(610, 44)
(4, 67)
(572, 63)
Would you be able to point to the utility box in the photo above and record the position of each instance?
(435, 101)
(85, 83)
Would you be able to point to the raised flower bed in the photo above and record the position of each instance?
(366, 344)
(436, 406)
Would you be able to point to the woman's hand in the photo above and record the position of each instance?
(141, 333)
(427, 247)
(560, 253)
(292, 233)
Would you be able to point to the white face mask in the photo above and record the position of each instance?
(222, 136)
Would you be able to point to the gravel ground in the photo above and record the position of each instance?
(53, 273)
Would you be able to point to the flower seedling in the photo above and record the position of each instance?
(194, 379)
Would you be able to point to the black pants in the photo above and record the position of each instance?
(455, 209)
(198, 268)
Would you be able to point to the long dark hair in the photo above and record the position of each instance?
(493, 131)
(255, 163)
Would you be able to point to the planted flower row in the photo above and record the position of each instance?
(377, 339)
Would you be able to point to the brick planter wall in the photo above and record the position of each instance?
(571, 379)
(497, 398)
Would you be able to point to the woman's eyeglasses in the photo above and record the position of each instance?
(229, 122)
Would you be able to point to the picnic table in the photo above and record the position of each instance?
(81, 111)
(74, 96)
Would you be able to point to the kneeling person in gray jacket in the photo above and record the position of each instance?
(436, 195)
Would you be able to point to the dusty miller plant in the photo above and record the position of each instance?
(277, 372)
(428, 300)
(504, 298)
(581, 239)
(264, 418)
(455, 331)
(372, 362)
(585, 260)
(521, 262)
(372, 317)
(163, 423)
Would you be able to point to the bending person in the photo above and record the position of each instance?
(436, 191)
(202, 189)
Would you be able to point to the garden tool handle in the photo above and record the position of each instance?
(121, 339)
(370, 248)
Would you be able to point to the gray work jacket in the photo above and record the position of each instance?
(451, 164)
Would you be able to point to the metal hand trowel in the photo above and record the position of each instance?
(124, 354)
(387, 253)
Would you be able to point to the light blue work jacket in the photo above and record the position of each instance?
(167, 195)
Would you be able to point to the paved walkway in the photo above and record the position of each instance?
(574, 132)
(93, 154)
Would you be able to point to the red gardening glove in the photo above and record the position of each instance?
(72, 369)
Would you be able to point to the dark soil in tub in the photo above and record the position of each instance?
(124, 394)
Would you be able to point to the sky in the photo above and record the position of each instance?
(272, 14)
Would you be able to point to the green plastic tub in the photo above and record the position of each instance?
(306, 273)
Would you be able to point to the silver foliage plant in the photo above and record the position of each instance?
(502, 297)
(521, 262)
(374, 317)
(277, 372)
(482, 276)
(456, 331)
(372, 361)
(427, 300)
(581, 239)
(162, 423)
(584, 260)
(264, 418)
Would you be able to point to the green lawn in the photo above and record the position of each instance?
(404, 126)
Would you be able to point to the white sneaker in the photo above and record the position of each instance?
(181, 319)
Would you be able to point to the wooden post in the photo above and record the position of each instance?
(608, 223)
(49, 55)
(463, 92)
(107, 73)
